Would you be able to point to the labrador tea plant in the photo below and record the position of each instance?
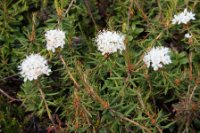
(99, 66)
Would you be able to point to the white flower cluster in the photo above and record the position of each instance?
(55, 39)
(157, 57)
(110, 42)
(188, 35)
(183, 17)
(33, 66)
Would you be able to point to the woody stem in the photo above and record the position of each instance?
(45, 103)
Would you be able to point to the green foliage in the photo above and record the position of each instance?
(9, 117)
(87, 91)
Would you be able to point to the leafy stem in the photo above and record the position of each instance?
(44, 100)
(129, 120)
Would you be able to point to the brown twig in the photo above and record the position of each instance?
(32, 35)
(69, 7)
(69, 72)
(92, 93)
(127, 57)
(129, 65)
(190, 66)
(154, 40)
(76, 101)
(80, 110)
(90, 90)
(153, 121)
(142, 11)
(8, 96)
(76, 104)
(192, 94)
(44, 100)
(131, 121)
(9, 77)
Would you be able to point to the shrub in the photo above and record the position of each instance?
(99, 66)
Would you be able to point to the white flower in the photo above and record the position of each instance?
(110, 42)
(188, 35)
(55, 39)
(33, 66)
(183, 17)
(157, 57)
